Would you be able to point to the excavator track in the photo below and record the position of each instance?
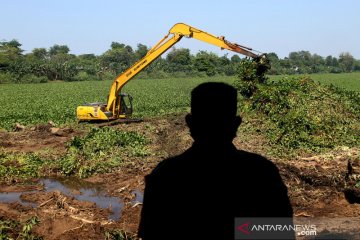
(115, 122)
(120, 121)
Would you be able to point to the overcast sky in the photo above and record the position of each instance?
(325, 27)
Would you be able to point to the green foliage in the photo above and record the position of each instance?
(304, 114)
(348, 81)
(103, 139)
(31, 78)
(206, 62)
(299, 112)
(118, 58)
(303, 62)
(23, 165)
(84, 76)
(30, 104)
(59, 49)
(11, 229)
(346, 62)
(56, 63)
(178, 60)
(118, 235)
(6, 77)
(61, 66)
(101, 150)
(251, 73)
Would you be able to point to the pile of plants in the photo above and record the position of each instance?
(100, 150)
(299, 112)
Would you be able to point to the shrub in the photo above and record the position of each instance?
(31, 78)
(84, 76)
(6, 77)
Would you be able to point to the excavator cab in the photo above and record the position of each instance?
(98, 111)
(126, 107)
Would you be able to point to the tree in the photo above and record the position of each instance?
(61, 65)
(37, 61)
(251, 73)
(179, 60)
(346, 62)
(329, 61)
(317, 63)
(141, 51)
(118, 58)
(115, 45)
(58, 49)
(89, 64)
(206, 62)
(12, 60)
(10, 52)
(40, 53)
(357, 65)
(275, 63)
(235, 59)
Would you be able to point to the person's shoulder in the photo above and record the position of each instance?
(254, 159)
(169, 165)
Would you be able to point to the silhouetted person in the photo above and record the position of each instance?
(198, 194)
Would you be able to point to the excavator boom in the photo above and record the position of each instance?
(115, 107)
(192, 32)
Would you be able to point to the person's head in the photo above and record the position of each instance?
(213, 117)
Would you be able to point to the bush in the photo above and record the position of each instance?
(108, 76)
(6, 77)
(157, 74)
(31, 78)
(84, 76)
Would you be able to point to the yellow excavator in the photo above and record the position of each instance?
(119, 105)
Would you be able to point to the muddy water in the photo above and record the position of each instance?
(8, 197)
(80, 190)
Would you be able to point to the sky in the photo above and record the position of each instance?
(324, 27)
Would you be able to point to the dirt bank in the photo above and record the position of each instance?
(319, 185)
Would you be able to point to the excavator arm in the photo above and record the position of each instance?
(112, 110)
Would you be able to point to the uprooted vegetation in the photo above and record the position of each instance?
(300, 113)
(100, 150)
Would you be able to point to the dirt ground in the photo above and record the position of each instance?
(318, 185)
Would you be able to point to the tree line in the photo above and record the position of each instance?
(57, 63)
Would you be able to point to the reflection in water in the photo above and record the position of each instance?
(90, 192)
(139, 197)
(80, 190)
(8, 197)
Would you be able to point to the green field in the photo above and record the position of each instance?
(348, 81)
(57, 101)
